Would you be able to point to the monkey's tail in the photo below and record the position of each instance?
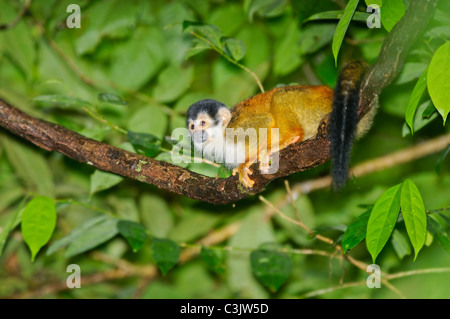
(344, 119)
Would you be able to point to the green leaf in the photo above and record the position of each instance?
(211, 33)
(199, 47)
(223, 172)
(439, 80)
(136, 61)
(439, 32)
(413, 212)
(272, 268)
(18, 43)
(77, 231)
(29, 165)
(382, 220)
(144, 143)
(173, 82)
(377, 2)
(60, 101)
(265, 8)
(97, 132)
(112, 19)
(315, 36)
(414, 100)
(337, 14)
(342, 27)
(400, 244)
(134, 233)
(194, 225)
(428, 111)
(93, 236)
(38, 223)
(165, 253)
(212, 259)
(254, 231)
(234, 48)
(410, 72)
(436, 229)
(12, 223)
(287, 54)
(111, 98)
(419, 121)
(228, 17)
(149, 119)
(103, 180)
(156, 214)
(391, 12)
(356, 231)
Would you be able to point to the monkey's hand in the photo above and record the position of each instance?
(244, 170)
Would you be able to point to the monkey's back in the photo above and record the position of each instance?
(301, 106)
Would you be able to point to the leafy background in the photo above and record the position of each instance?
(135, 66)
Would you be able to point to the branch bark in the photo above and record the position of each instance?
(295, 158)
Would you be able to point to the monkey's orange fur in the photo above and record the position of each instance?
(295, 110)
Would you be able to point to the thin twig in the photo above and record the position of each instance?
(291, 199)
(218, 50)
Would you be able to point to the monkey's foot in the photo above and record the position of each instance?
(244, 170)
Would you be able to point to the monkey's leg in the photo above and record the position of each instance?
(244, 171)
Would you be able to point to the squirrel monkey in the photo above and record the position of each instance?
(295, 111)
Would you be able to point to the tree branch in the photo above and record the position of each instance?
(295, 158)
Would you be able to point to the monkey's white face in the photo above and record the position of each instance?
(208, 133)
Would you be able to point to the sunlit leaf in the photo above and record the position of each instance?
(391, 12)
(342, 26)
(382, 220)
(413, 212)
(337, 14)
(38, 223)
(439, 80)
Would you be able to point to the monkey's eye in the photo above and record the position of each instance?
(192, 126)
(202, 123)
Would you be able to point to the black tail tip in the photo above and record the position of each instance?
(340, 178)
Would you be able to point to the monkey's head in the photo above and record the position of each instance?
(206, 121)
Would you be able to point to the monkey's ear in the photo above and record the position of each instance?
(225, 115)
